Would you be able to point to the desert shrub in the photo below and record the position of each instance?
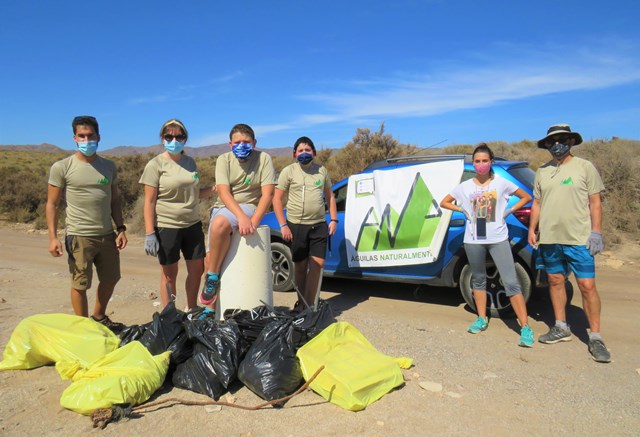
(618, 163)
(365, 148)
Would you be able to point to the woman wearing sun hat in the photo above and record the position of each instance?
(171, 216)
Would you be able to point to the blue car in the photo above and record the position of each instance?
(451, 268)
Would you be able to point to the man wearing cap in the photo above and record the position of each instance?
(567, 208)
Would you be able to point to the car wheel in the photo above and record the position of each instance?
(281, 267)
(543, 293)
(498, 303)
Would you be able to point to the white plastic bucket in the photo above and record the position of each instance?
(246, 273)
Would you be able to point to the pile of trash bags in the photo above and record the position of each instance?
(271, 351)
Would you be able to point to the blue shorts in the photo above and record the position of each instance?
(560, 258)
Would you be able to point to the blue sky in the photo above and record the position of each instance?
(447, 72)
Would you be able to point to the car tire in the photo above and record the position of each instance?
(498, 304)
(543, 293)
(281, 267)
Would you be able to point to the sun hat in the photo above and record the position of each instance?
(560, 129)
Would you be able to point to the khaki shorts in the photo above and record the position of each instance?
(84, 252)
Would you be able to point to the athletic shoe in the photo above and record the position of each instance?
(599, 351)
(555, 335)
(210, 290)
(479, 325)
(115, 327)
(526, 337)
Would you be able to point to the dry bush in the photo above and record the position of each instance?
(365, 148)
(618, 163)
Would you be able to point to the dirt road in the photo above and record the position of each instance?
(490, 385)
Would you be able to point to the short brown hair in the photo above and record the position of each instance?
(243, 129)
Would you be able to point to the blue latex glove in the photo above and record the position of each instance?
(507, 213)
(595, 244)
(151, 244)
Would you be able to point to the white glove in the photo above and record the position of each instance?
(151, 244)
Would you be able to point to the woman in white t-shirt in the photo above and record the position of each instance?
(484, 202)
(171, 216)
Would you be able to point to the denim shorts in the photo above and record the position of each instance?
(562, 258)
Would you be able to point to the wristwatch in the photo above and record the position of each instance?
(121, 228)
(335, 220)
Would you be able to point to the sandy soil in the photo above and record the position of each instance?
(490, 386)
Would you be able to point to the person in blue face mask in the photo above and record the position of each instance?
(93, 208)
(172, 192)
(568, 212)
(307, 187)
(245, 180)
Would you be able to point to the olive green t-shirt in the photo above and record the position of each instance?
(564, 192)
(245, 179)
(88, 194)
(178, 190)
(305, 189)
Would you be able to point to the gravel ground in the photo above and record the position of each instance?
(489, 386)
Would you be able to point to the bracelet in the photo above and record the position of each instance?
(283, 225)
(335, 220)
(121, 228)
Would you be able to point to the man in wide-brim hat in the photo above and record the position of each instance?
(568, 210)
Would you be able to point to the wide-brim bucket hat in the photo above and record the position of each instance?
(557, 129)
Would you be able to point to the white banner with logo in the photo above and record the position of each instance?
(393, 217)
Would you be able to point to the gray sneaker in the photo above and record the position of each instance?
(599, 351)
(555, 335)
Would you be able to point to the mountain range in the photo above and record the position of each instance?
(196, 152)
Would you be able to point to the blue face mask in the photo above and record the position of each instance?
(174, 147)
(558, 150)
(88, 148)
(304, 158)
(242, 150)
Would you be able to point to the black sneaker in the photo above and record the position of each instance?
(115, 327)
(599, 351)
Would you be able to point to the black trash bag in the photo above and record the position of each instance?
(308, 323)
(271, 369)
(164, 329)
(216, 356)
(252, 322)
(132, 333)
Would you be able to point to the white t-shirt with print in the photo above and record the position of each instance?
(489, 202)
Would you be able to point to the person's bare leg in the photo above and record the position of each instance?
(104, 293)
(520, 308)
(219, 242)
(590, 302)
(480, 297)
(313, 279)
(300, 268)
(168, 276)
(558, 295)
(195, 269)
(79, 302)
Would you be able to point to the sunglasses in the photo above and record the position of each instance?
(561, 139)
(169, 137)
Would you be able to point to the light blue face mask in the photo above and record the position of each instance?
(88, 148)
(174, 147)
(242, 150)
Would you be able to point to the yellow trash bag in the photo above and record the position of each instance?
(355, 373)
(71, 342)
(129, 375)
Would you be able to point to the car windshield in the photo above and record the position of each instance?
(524, 174)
